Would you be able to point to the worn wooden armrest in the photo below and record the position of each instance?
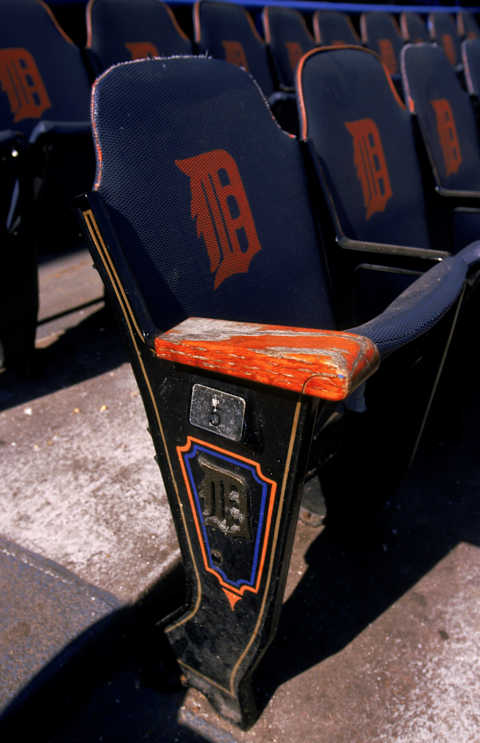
(320, 363)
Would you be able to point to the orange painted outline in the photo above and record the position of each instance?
(299, 87)
(56, 23)
(226, 586)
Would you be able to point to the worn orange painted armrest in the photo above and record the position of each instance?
(321, 363)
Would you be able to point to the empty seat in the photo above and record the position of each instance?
(226, 31)
(447, 124)
(331, 27)
(413, 28)
(213, 222)
(381, 33)
(118, 30)
(471, 65)
(46, 98)
(442, 30)
(288, 38)
(467, 26)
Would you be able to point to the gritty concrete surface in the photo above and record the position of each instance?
(377, 642)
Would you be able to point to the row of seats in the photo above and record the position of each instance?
(205, 224)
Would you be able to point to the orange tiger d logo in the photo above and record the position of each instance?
(141, 49)
(21, 81)
(370, 164)
(447, 134)
(235, 53)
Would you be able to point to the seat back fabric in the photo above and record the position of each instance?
(42, 73)
(119, 30)
(380, 33)
(332, 28)
(445, 115)
(413, 28)
(467, 26)
(363, 137)
(471, 65)
(442, 30)
(288, 38)
(226, 31)
(207, 195)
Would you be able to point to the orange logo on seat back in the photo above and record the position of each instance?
(447, 134)
(448, 48)
(370, 164)
(235, 53)
(21, 81)
(295, 53)
(224, 218)
(141, 49)
(387, 55)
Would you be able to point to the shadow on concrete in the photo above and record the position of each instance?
(116, 682)
(86, 350)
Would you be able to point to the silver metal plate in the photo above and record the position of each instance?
(217, 411)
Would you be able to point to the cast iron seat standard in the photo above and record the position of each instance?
(413, 28)
(119, 30)
(442, 30)
(448, 128)
(45, 97)
(380, 32)
(332, 28)
(288, 39)
(205, 238)
(467, 26)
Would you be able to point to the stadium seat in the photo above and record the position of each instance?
(442, 30)
(118, 30)
(413, 28)
(288, 39)
(45, 97)
(226, 31)
(448, 128)
(471, 65)
(332, 28)
(467, 26)
(205, 238)
(381, 33)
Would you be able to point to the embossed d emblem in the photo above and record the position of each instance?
(447, 135)
(21, 81)
(370, 164)
(232, 505)
(224, 218)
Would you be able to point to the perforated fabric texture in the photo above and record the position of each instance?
(173, 136)
(338, 89)
(121, 30)
(43, 72)
(288, 38)
(226, 31)
(445, 115)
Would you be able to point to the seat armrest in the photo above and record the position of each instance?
(319, 363)
(459, 197)
(390, 249)
(60, 128)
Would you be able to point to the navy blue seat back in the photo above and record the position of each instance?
(467, 26)
(288, 38)
(445, 115)
(471, 65)
(332, 28)
(381, 33)
(119, 30)
(207, 195)
(442, 30)
(41, 71)
(413, 28)
(226, 31)
(363, 136)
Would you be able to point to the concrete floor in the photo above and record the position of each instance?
(376, 642)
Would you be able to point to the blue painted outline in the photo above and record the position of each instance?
(187, 456)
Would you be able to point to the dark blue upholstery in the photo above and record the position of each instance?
(161, 181)
(471, 65)
(151, 117)
(288, 38)
(331, 27)
(340, 90)
(50, 80)
(381, 33)
(119, 30)
(445, 116)
(442, 30)
(413, 28)
(467, 26)
(226, 31)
